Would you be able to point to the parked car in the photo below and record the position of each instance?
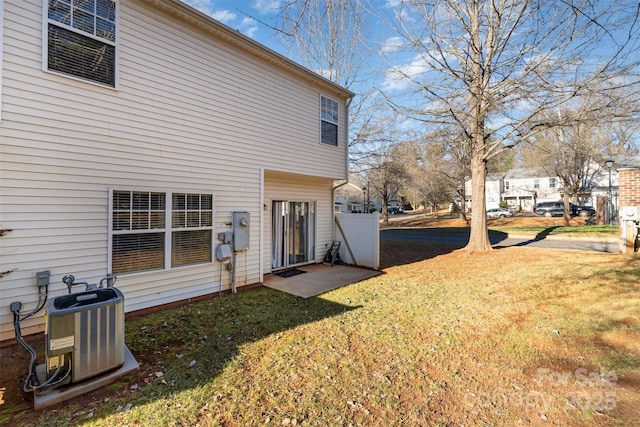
(499, 213)
(583, 210)
(549, 209)
(394, 210)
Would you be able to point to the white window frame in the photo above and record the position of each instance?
(325, 116)
(167, 230)
(45, 46)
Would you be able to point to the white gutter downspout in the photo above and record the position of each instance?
(333, 208)
(346, 174)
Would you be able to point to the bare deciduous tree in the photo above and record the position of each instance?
(596, 129)
(572, 153)
(492, 68)
(386, 178)
(386, 170)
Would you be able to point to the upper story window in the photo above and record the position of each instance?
(506, 185)
(552, 183)
(536, 183)
(81, 39)
(329, 121)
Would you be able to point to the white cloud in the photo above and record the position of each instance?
(392, 44)
(224, 16)
(399, 77)
(266, 6)
(205, 6)
(248, 27)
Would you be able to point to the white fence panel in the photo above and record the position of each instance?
(359, 235)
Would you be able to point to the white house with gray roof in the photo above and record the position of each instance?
(522, 188)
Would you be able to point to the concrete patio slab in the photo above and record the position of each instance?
(318, 279)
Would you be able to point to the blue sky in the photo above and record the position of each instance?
(243, 15)
(253, 18)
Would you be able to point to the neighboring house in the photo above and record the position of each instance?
(349, 198)
(132, 130)
(493, 189)
(521, 189)
(525, 187)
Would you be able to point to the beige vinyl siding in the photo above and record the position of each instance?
(295, 188)
(190, 114)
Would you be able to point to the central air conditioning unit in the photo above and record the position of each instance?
(630, 213)
(84, 341)
(84, 334)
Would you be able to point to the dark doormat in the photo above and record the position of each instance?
(289, 273)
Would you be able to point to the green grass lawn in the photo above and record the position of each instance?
(516, 336)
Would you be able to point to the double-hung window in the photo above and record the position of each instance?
(328, 121)
(158, 230)
(81, 39)
(191, 223)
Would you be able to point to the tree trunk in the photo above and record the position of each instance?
(463, 200)
(567, 211)
(479, 83)
(385, 211)
(479, 236)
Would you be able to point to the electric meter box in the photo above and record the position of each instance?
(241, 227)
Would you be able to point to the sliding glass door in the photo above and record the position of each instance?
(293, 233)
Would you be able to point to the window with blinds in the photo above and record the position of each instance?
(81, 39)
(149, 228)
(191, 228)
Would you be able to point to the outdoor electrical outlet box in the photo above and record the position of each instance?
(225, 236)
(42, 278)
(223, 252)
(241, 231)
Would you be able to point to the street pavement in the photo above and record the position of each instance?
(504, 240)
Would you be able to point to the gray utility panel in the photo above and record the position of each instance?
(241, 226)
